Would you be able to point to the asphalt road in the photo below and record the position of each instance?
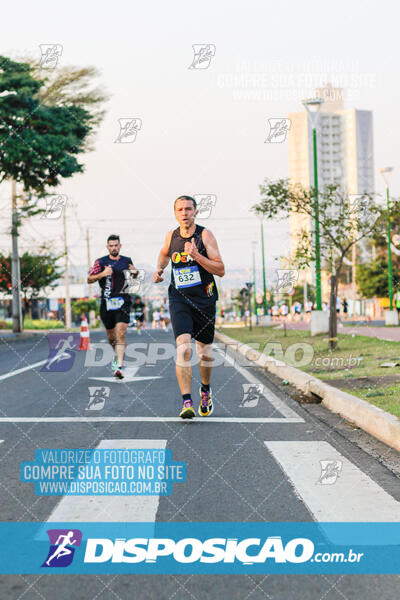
(242, 470)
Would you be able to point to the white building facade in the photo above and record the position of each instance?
(345, 150)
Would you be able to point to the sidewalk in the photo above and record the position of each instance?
(381, 332)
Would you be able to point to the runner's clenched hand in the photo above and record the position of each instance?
(191, 249)
(157, 276)
(107, 271)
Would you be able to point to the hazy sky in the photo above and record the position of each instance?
(203, 130)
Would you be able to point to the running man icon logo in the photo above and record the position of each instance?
(63, 543)
(278, 129)
(55, 205)
(62, 352)
(205, 203)
(287, 279)
(203, 54)
(251, 394)
(358, 205)
(132, 284)
(128, 129)
(50, 53)
(330, 471)
(97, 397)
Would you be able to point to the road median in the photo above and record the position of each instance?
(370, 418)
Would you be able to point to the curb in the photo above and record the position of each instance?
(375, 421)
(17, 337)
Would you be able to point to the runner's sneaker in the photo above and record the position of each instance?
(118, 374)
(187, 411)
(206, 406)
(114, 364)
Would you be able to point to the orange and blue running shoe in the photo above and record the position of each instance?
(206, 406)
(187, 411)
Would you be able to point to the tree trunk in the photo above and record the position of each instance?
(332, 313)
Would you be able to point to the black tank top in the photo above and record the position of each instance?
(189, 280)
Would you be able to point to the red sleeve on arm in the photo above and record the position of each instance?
(96, 269)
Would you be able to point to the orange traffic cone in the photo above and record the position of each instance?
(85, 339)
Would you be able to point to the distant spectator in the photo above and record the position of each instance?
(345, 305)
(297, 309)
(284, 310)
(398, 301)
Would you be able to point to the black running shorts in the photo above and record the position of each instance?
(111, 317)
(187, 317)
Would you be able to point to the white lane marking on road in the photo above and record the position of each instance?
(110, 508)
(281, 420)
(18, 371)
(268, 394)
(353, 497)
(129, 376)
(126, 379)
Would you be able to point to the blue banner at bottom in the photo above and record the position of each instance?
(196, 548)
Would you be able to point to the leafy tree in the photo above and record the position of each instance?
(38, 272)
(298, 295)
(379, 237)
(72, 86)
(39, 143)
(342, 223)
(372, 278)
(85, 306)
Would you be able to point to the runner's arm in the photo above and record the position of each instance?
(163, 258)
(97, 272)
(213, 264)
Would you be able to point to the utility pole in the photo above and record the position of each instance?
(15, 265)
(263, 266)
(354, 270)
(249, 285)
(89, 262)
(305, 299)
(254, 244)
(66, 276)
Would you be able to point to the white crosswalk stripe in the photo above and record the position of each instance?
(347, 494)
(110, 508)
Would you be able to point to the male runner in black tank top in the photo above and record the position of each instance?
(195, 259)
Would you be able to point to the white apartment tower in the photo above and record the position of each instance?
(344, 146)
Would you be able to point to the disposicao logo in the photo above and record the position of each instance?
(63, 543)
(190, 550)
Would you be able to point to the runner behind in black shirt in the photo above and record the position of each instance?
(113, 273)
(138, 309)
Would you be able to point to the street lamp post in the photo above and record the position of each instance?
(319, 322)
(253, 245)
(313, 107)
(392, 317)
(261, 217)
